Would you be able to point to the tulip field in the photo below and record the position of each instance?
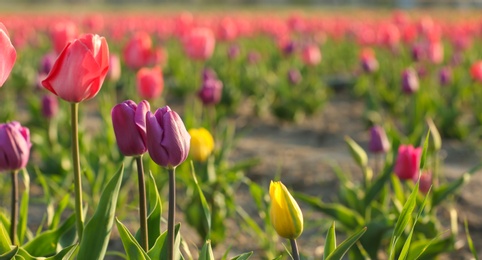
(285, 134)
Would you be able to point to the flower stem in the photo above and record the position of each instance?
(142, 204)
(294, 249)
(79, 216)
(171, 213)
(14, 211)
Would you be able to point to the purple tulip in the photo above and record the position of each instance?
(50, 106)
(294, 76)
(378, 140)
(211, 91)
(129, 121)
(14, 146)
(407, 166)
(369, 64)
(168, 141)
(209, 73)
(233, 51)
(409, 81)
(289, 48)
(46, 63)
(445, 76)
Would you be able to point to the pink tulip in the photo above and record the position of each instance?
(409, 81)
(407, 166)
(8, 55)
(14, 146)
(137, 52)
(311, 55)
(150, 83)
(425, 181)
(199, 43)
(114, 72)
(476, 71)
(168, 141)
(129, 121)
(61, 34)
(80, 70)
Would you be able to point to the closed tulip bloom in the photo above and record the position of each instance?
(168, 141)
(129, 121)
(286, 216)
(80, 70)
(311, 55)
(14, 146)
(202, 144)
(294, 76)
(378, 140)
(445, 76)
(137, 51)
(409, 81)
(46, 63)
(199, 43)
(8, 55)
(211, 91)
(425, 181)
(407, 166)
(62, 34)
(368, 61)
(476, 71)
(50, 106)
(150, 83)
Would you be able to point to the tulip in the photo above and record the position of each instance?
(436, 52)
(294, 76)
(253, 57)
(407, 166)
(137, 51)
(409, 81)
(285, 214)
(425, 181)
(14, 146)
(80, 70)
(46, 63)
(62, 34)
(50, 106)
(150, 83)
(476, 71)
(311, 55)
(378, 140)
(445, 76)
(202, 144)
(233, 51)
(114, 72)
(199, 43)
(211, 91)
(8, 55)
(167, 138)
(129, 121)
(209, 73)
(368, 61)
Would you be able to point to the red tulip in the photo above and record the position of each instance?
(80, 70)
(407, 166)
(62, 33)
(150, 82)
(137, 52)
(8, 55)
(199, 43)
(476, 71)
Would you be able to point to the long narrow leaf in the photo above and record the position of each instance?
(330, 242)
(97, 230)
(131, 246)
(23, 214)
(10, 254)
(343, 248)
(469, 241)
(204, 203)
(425, 150)
(4, 240)
(243, 256)
(206, 251)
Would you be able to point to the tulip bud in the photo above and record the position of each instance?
(378, 140)
(445, 76)
(150, 83)
(199, 43)
(46, 63)
(409, 81)
(167, 138)
(137, 51)
(211, 91)
(425, 181)
(14, 146)
(311, 55)
(294, 76)
(8, 55)
(209, 73)
(202, 144)
(407, 166)
(286, 216)
(50, 106)
(129, 121)
(476, 71)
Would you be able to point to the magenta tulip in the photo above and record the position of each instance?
(407, 166)
(14, 146)
(409, 81)
(129, 121)
(425, 181)
(378, 140)
(211, 91)
(8, 55)
(168, 141)
(80, 70)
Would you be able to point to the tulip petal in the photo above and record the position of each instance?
(8, 55)
(155, 135)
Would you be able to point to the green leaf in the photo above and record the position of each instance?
(64, 202)
(428, 249)
(358, 154)
(349, 218)
(398, 189)
(23, 213)
(177, 242)
(67, 253)
(425, 150)
(243, 256)
(378, 186)
(156, 250)
(436, 139)
(133, 250)
(154, 217)
(205, 206)
(46, 243)
(376, 232)
(206, 251)
(469, 241)
(403, 220)
(97, 230)
(330, 242)
(4, 240)
(343, 248)
(10, 254)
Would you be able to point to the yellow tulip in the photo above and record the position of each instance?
(286, 215)
(202, 144)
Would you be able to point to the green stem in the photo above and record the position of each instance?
(79, 216)
(171, 213)
(14, 211)
(294, 249)
(142, 204)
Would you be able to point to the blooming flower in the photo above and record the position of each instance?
(407, 166)
(14, 146)
(129, 121)
(8, 55)
(80, 70)
(285, 214)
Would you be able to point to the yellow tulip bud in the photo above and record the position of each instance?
(286, 215)
(202, 144)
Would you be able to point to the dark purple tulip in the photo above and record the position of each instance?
(289, 48)
(129, 121)
(294, 76)
(14, 146)
(445, 76)
(46, 63)
(409, 81)
(168, 141)
(50, 106)
(211, 91)
(378, 140)
(418, 52)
